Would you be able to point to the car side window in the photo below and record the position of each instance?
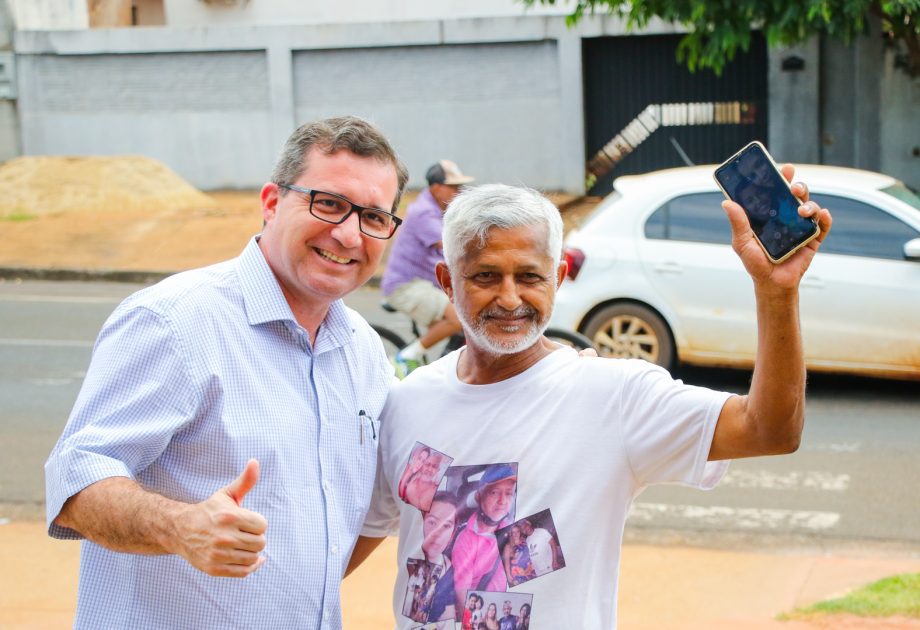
(861, 229)
(698, 218)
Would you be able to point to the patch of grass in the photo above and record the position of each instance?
(898, 595)
(17, 215)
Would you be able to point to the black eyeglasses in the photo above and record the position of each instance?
(335, 209)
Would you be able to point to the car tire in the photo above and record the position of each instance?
(631, 331)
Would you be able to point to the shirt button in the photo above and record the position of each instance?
(326, 486)
(335, 550)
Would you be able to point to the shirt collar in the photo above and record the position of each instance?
(265, 301)
(261, 292)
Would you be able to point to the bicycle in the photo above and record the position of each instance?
(393, 342)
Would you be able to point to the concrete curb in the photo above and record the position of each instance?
(101, 275)
(86, 275)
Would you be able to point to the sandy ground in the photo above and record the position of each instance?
(153, 239)
(662, 587)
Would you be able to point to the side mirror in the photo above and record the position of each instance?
(912, 250)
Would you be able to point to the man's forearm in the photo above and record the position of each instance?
(120, 515)
(776, 400)
(217, 536)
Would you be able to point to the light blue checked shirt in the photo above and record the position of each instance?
(189, 379)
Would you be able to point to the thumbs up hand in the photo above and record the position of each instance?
(220, 537)
(244, 483)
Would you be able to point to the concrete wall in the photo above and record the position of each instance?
(899, 119)
(227, 12)
(205, 114)
(501, 96)
(793, 125)
(9, 120)
(216, 104)
(851, 97)
(493, 108)
(848, 106)
(49, 14)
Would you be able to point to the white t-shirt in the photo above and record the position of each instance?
(541, 553)
(584, 436)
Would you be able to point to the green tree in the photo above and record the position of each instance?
(716, 29)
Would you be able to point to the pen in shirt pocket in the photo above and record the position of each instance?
(361, 417)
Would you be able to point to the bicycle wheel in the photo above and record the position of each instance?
(568, 338)
(392, 342)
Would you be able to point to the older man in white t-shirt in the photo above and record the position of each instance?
(584, 436)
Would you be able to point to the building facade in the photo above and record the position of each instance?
(514, 96)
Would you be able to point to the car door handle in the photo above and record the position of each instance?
(669, 267)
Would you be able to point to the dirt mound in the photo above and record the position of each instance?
(40, 186)
(158, 234)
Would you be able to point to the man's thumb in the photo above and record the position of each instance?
(736, 216)
(245, 482)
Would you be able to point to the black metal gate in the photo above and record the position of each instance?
(709, 117)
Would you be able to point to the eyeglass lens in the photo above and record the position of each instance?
(333, 209)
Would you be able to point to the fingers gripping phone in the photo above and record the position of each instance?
(751, 179)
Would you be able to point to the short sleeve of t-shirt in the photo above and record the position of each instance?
(685, 418)
(383, 514)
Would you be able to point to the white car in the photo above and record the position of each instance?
(652, 275)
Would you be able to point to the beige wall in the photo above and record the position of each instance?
(109, 13)
(150, 12)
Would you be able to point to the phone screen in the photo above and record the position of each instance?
(751, 180)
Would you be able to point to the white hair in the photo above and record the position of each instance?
(476, 210)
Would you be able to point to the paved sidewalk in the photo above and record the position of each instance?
(662, 587)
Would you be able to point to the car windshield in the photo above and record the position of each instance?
(903, 193)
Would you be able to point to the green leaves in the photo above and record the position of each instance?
(716, 29)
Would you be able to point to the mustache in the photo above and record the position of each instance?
(521, 311)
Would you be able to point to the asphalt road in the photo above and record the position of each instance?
(854, 481)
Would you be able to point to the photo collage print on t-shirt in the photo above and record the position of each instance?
(474, 554)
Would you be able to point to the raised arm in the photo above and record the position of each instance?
(770, 418)
(216, 536)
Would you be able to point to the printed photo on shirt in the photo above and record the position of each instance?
(485, 496)
(420, 588)
(439, 524)
(530, 548)
(422, 475)
(505, 611)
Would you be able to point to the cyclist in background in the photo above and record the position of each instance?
(408, 282)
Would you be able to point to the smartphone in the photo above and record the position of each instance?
(751, 179)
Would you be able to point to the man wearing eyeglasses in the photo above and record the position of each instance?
(251, 365)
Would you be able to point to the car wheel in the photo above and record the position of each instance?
(631, 331)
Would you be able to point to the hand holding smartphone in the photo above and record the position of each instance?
(751, 179)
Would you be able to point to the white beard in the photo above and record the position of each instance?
(476, 331)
